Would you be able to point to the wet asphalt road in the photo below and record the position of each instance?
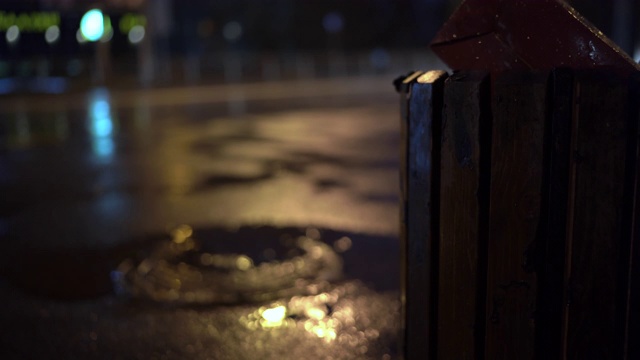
(90, 179)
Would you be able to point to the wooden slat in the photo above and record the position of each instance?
(422, 120)
(550, 248)
(633, 288)
(463, 216)
(557, 230)
(403, 86)
(596, 291)
(516, 176)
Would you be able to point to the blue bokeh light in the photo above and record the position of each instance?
(92, 25)
(333, 22)
(101, 125)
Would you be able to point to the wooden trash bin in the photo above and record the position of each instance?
(520, 215)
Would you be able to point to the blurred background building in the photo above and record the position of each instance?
(149, 42)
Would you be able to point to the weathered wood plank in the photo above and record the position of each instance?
(596, 249)
(464, 210)
(516, 180)
(550, 248)
(633, 285)
(421, 176)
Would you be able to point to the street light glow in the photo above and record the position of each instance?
(92, 25)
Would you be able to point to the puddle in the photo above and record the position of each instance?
(212, 265)
(192, 271)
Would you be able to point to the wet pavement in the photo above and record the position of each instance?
(95, 180)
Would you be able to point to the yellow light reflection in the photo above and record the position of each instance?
(206, 259)
(315, 313)
(244, 262)
(342, 245)
(319, 331)
(274, 316)
(318, 315)
(181, 233)
(430, 76)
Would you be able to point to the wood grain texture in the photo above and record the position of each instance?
(550, 248)
(596, 249)
(516, 180)
(463, 216)
(520, 220)
(404, 89)
(423, 121)
(632, 345)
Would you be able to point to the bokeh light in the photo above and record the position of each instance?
(92, 25)
(100, 124)
(136, 34)
(333, 22)
(343, 244)
(380, 59)
(275, 315)
(101, 118)
(244, 262)
(13, 34)
(52, 34)
(232, 31)
(108, 30)
(80, 38)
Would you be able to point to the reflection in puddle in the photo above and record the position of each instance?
(324, 318)
(103, 147)
(325, 315)
(338, 318)
(290, 299)
(101, 125)
(183, 271)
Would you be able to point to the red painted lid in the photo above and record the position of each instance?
(499, 35)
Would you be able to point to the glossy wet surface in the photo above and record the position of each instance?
(90, 180)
